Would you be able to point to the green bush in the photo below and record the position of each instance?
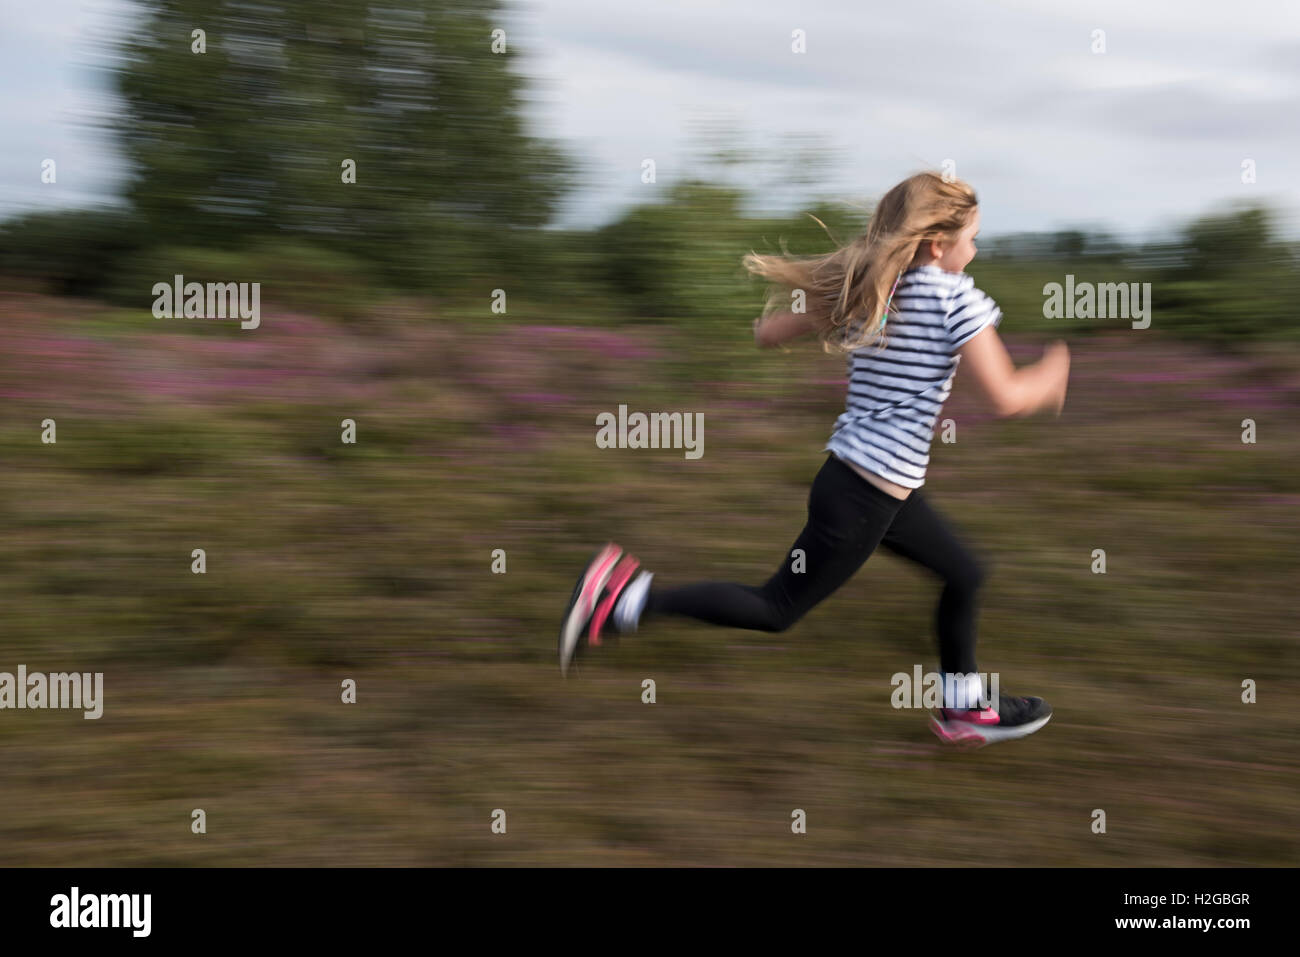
(292, 274)
(74, 252)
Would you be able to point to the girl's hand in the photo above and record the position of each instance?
(780, 327)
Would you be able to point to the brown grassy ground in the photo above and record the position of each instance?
(373, 562)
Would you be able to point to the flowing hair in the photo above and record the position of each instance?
(847, 291)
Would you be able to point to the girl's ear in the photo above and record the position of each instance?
(928, 250)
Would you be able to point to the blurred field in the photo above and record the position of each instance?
(373, 562)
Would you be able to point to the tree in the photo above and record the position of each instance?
(249, 138)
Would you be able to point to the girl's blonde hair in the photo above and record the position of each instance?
(847, 290)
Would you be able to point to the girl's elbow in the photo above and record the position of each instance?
(1007, 405)
(1009, 409)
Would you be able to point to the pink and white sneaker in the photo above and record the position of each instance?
(598, 588)
(1014, 717)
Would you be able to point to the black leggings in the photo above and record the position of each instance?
(847, 518)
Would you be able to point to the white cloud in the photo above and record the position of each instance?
(1049, 133)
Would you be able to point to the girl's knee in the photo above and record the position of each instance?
(780, 618)
(971, 574)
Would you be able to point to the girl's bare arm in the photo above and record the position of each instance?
(1016, 392)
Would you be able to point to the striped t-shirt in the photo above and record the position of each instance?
(896, 393)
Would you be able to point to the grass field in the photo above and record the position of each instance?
(373, 561)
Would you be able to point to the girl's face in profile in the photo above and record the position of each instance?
(958, 254)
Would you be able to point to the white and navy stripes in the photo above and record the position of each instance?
(896, 393)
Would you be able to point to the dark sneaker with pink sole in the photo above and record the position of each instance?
(1014, 717)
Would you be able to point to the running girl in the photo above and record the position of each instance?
(868, 492)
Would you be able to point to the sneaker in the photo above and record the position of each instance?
(618, 581)
(1014, 717)
(609, 565)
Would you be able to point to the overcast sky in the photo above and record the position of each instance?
(1051, 134)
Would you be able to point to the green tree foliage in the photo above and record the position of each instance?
(70, 251)
(236, 173)
(1227, 277)
(248, 139)
(681, 259)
